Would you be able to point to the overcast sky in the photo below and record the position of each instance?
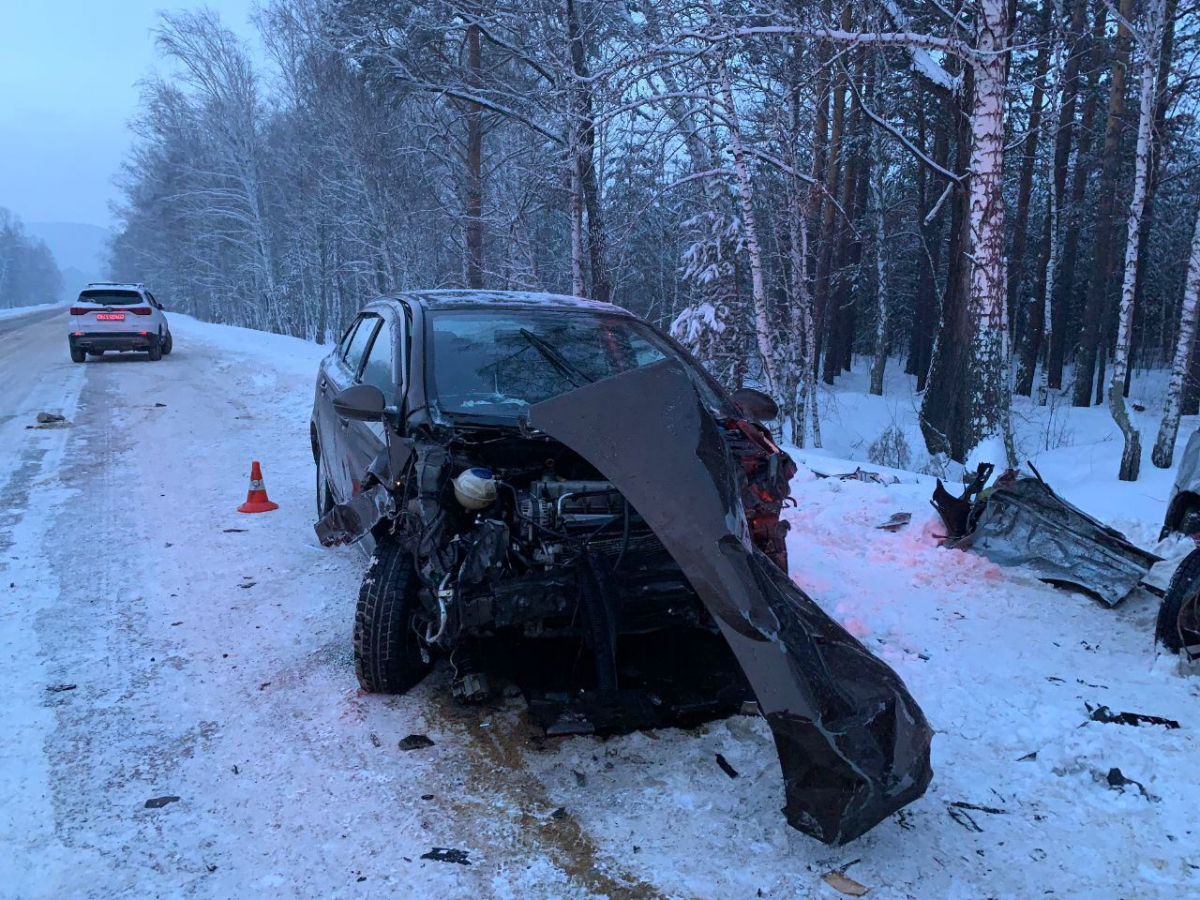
(68, 88)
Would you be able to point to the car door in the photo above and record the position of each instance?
(157, 318)
(380, 367)
(338, 440)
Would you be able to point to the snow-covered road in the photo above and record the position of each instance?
(210, 657)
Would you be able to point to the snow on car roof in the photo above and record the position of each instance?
(464, 298)
(114, 285)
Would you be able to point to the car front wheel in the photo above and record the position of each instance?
(389, 653)
(1178, 617)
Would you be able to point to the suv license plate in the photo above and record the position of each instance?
(110, 317)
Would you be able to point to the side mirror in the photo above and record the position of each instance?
(756, 404)
(360, 402)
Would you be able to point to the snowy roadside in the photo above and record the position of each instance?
(212, 664)
(14, 312)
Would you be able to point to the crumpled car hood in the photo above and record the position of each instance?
(852, 743)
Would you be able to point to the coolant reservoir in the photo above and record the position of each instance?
(475, 488)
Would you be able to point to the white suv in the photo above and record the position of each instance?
(110, 316)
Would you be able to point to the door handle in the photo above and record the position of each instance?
(324, 383)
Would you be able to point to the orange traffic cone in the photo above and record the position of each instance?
(256, 497)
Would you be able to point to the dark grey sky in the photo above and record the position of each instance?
(68, 74)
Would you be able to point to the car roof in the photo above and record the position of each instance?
(481, 299)
(114, 285)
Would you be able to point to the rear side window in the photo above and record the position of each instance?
(378, 370)
(359, 342)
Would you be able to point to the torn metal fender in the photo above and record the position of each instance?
(350, 522)
(852, 742)
(1024, 523)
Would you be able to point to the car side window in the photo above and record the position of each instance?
(359, 342)
(380, 363)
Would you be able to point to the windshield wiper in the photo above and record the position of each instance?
(556, 359)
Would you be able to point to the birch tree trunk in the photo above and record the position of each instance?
(473, 183)
(990, 398)
(1151, 41)
(1164, 446)
(762, 324)
(878, 168)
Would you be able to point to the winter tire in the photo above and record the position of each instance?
(156, 353)
(1176, 615)
(388, 655)
(78, 355)
(168, 343)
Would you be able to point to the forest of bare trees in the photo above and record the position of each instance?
(29, 274)
(999, 196)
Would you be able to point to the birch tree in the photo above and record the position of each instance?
(1150, 39)
(1164, 445)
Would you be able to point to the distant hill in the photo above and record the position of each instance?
(81, 250)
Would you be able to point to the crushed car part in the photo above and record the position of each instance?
(1022, 522)
(853, 744)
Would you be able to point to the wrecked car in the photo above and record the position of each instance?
(1020, 521)
(1178, 623)
(545, 469)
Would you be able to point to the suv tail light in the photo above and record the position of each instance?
(79, 311)
(139, 310)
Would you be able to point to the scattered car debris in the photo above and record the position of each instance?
(235, 530)
(896, 522)
(159, 802)
(841, 882)
(1104, 714)
(449, 855)
(990, 810)
(415, 742)
(1020, 521)
(247, 584)
(726, 767)
(59, 688)
(1117, 781)
(859, 474)
(50, 420)
(963, 818)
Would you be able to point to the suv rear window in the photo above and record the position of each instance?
(110, 297)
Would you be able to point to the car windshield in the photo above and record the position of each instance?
(498, 363)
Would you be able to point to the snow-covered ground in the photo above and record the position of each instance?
(210, 660)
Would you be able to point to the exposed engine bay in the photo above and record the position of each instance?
(591, 523)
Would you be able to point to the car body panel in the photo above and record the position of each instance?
(853, 744)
